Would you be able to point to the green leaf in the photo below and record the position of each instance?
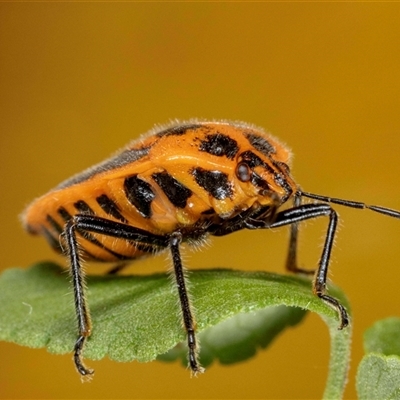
(378, 375)
(383, 337)
(137, 317)
(238, 338)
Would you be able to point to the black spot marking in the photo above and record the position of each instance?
(65, 215)
(256, 180)
(83, 208)
(125, 157)
(54, 224)
(139, 194)
(110, 207)
(216, 183)
(252, 160)
(261, 144)
(177, 193)
(179, 129)
(219, 145)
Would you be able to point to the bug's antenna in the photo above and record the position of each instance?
(354, 204)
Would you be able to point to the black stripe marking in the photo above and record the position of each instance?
(177, 193)
(83, 208)
(220, 145)
(54, 224)
(179, 129)
(139, 194)
(88, 236)
(216, 183)
(110, 207)
(260, 143)
(65, 215)
(256, 180)
(125, 157)
(252, 160)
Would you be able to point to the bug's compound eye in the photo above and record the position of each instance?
(243, 172)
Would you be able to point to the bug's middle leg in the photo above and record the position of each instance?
(187, 314)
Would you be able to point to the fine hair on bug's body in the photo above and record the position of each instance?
(181, 183)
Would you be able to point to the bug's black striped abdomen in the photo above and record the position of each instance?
(136, 210)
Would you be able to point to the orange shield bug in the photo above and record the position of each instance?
(179, 183)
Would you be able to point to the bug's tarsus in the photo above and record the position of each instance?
(187, 315)
(80, 366)
(334, 303)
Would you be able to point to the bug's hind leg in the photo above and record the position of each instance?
(187, 314)
(82, 312)
(91, 223)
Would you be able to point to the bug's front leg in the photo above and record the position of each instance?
(187, 314)
(311, 211)
(82, 311)
(291, 260)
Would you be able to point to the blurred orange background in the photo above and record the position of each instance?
(80, 80)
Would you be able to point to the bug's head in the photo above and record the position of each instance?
(262, 169)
